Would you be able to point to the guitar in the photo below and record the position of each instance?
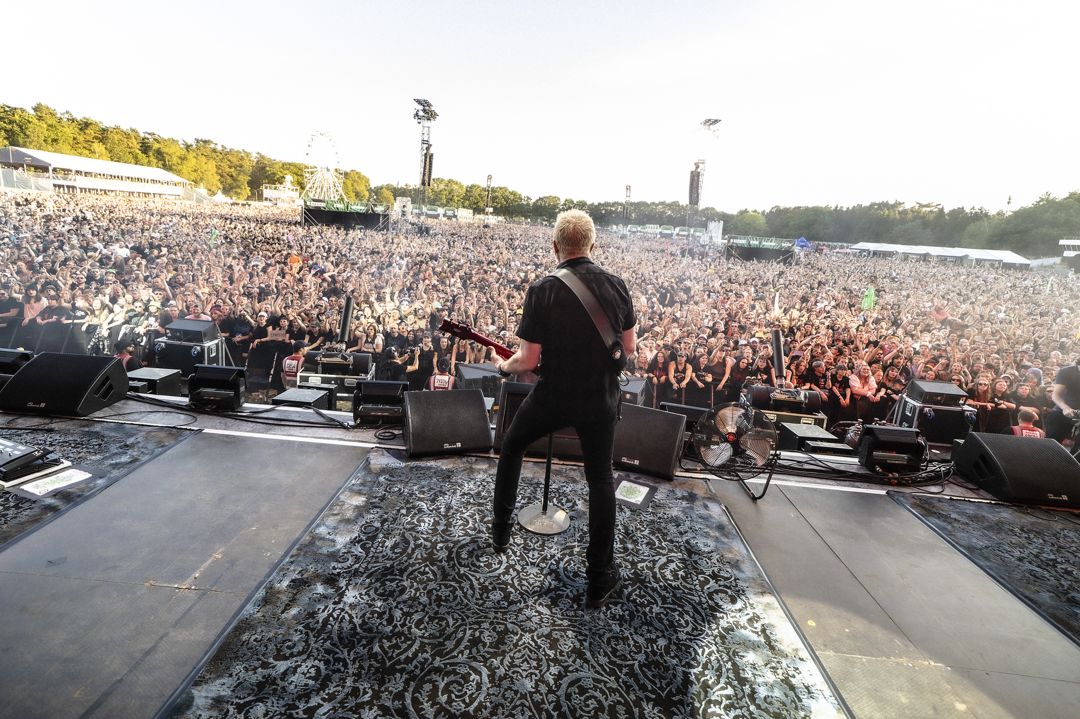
(465, 332)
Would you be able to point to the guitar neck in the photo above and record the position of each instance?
(467, 333)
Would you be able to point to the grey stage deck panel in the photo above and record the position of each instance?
(111, 605)
(905, 625)
(942, 601)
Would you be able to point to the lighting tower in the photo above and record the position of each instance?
(626, 206)
(424, 115)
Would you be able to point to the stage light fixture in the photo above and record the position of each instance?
(425, 112)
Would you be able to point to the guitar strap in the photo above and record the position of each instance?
(599, 317)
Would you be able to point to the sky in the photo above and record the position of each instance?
(831, 102)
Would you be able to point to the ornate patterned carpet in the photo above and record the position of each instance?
(1031, 552)
(108, 450)
(395, 605)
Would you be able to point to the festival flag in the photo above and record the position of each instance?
(869, 299)
(213, 237)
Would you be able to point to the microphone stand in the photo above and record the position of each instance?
(543, 517)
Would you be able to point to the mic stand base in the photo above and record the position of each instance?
(544, 517)
(537, 521)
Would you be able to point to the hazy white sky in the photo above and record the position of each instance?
(839, 102)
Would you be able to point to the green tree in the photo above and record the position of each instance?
(748, 222)
(356, 185)
(234, 169)
(475, 197)
(123, 146)
(384, 196)
(446, 193)
(545, 208)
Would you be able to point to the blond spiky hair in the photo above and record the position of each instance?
(574, 233)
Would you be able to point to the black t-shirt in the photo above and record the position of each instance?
(576, 363)
(238, 327)
(841, 385)
(1069, 377)
(398, 342)
(815, 380)
(7, 306)
(426, 362)
(225, 325)
(59, 312)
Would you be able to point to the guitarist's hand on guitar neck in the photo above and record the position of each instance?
(524, 360)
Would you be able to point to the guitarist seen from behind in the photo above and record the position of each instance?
(578, 387)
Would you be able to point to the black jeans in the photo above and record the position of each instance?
(538, 418)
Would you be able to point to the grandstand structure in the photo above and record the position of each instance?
(25, 169)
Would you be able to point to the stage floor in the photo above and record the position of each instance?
(112, 606)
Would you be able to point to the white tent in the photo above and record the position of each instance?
(45, 161)
(1005, 257)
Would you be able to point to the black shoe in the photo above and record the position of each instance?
(600, 592)
(500, 536)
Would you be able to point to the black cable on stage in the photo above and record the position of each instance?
(927, 476)
(387, 435)
(741, 475)
(335, 420)
(191, 417)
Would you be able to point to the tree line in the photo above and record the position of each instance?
(1032, 231)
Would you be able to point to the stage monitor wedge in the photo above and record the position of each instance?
(1020, 469)
(649, 440)
(65, 384)
(450, 422)
(157, 380)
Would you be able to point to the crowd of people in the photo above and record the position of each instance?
(108, 274)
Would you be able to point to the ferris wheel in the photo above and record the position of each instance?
(323, 178)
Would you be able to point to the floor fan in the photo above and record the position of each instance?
(737, 442)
